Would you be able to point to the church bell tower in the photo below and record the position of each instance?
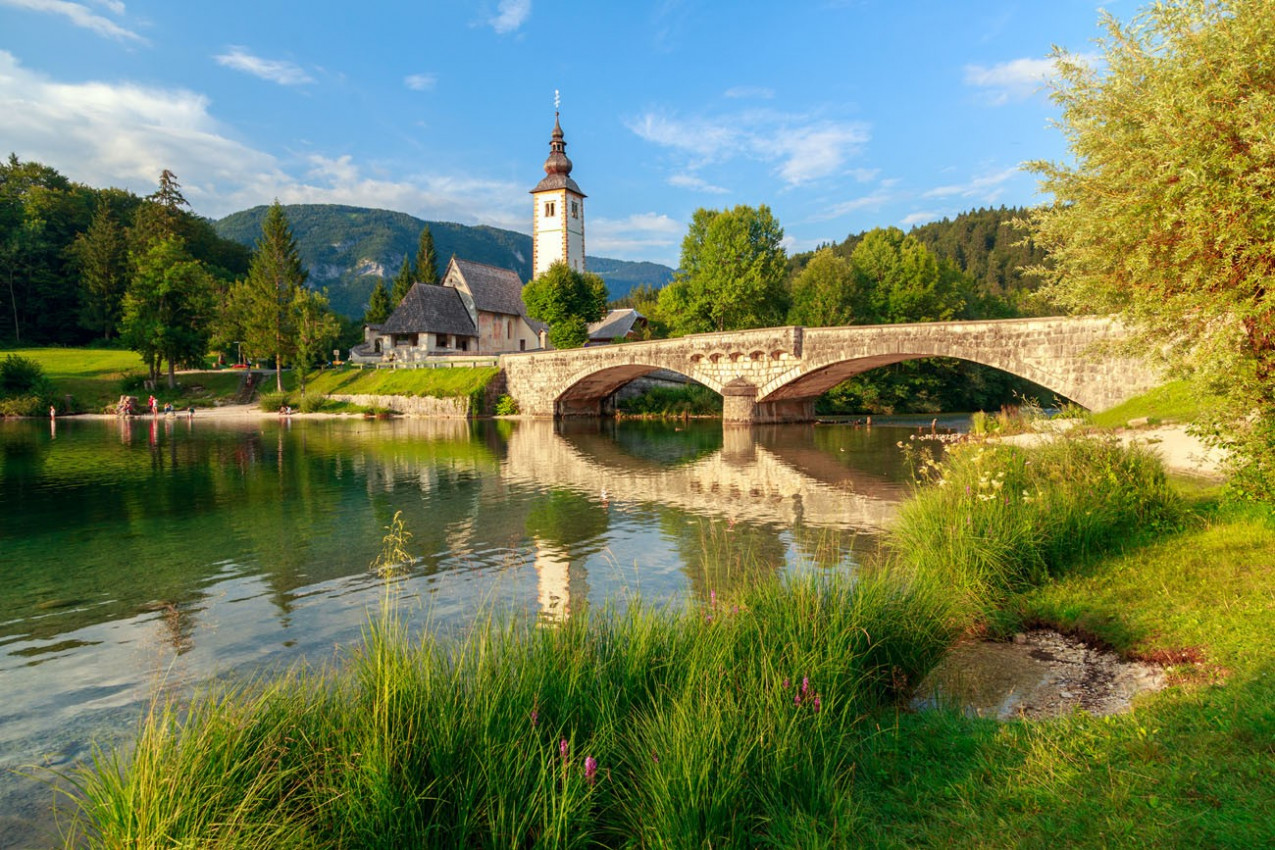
(557, 218)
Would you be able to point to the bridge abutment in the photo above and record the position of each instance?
(740, 407)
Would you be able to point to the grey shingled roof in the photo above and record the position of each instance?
(558, 181)
(495, 290)
(427, 308)
(614, 325)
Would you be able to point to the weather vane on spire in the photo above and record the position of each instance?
(557, 100)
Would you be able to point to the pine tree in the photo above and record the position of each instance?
(378, 304)
(425, 269)
(265, 301)
(402, 283)
(101, 254)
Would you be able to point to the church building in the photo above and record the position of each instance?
(477, 308)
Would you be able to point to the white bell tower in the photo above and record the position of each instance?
(557, 218)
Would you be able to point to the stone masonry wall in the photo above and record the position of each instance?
(789, 364)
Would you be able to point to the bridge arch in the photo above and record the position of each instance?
(774, 374)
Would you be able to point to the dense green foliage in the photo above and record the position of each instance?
(348, 249)
(24, 388)
(672, 402)
(1163, 213)
(62, 249)
(169, 307)
(732, 273)
(378, 305)
(402, 284)
(567, 300)
(425, 263)
(263, 311)
(889, 277)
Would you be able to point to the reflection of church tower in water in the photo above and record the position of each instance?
(557, 219)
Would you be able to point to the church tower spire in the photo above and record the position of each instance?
(557, 222)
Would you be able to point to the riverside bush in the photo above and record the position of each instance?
(999, 518)
(272, 402)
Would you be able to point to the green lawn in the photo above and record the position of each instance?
(95, 378)
(1171, 402)
(440, 383)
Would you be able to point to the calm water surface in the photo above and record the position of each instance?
(149, 555)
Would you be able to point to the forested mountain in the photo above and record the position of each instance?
(65, 249)
(984, 244)
(347, 248)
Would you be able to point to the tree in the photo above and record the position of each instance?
(425, 268)
(317, 328)
(1164, 216)
(378, 304)
(732, 273)
(101, 254)
(162, 214)
(824, 294)
(903, 281)
(402, 283)
(167, 310)
(567, 300)
(264, 303)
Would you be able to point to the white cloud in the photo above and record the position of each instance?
(985, 187)
(279, 71)
(873, 201)
(803, 147)
(124, 135)
(642, 234)
(510, 15)
(918, 218)
(697, 184)
(1017, 79)
(421, 82)
(759, 92)
(121, 134)
(81, 16)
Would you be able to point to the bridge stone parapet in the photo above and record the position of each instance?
(774, 374)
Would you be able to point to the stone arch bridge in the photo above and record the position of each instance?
(775, 374)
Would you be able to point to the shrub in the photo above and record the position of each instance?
(272, 402)
(506, 406)
(21, 376)
(311, 403)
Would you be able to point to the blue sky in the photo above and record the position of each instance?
(840, 115)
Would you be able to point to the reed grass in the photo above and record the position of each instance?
(996, 518)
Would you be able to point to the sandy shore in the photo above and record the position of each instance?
(225, 411)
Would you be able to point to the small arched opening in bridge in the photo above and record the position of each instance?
(949, 383)
(603, 391)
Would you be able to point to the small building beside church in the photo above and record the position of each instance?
(478, 309)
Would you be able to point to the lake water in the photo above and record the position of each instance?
(153, 555)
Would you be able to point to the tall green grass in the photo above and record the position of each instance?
(996, 518)
(722, 725)
(736, 722)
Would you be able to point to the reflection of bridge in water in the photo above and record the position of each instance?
(766, 476)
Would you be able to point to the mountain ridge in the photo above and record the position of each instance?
(347, 248)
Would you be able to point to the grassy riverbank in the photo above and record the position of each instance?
(771, 719)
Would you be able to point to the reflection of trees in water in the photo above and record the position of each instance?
(721, 556)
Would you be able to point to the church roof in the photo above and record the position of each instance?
(494, 290)
(558, 165)
(427, 308)
(615, 325)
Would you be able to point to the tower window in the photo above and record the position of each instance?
(575, 209)
(551, 209)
